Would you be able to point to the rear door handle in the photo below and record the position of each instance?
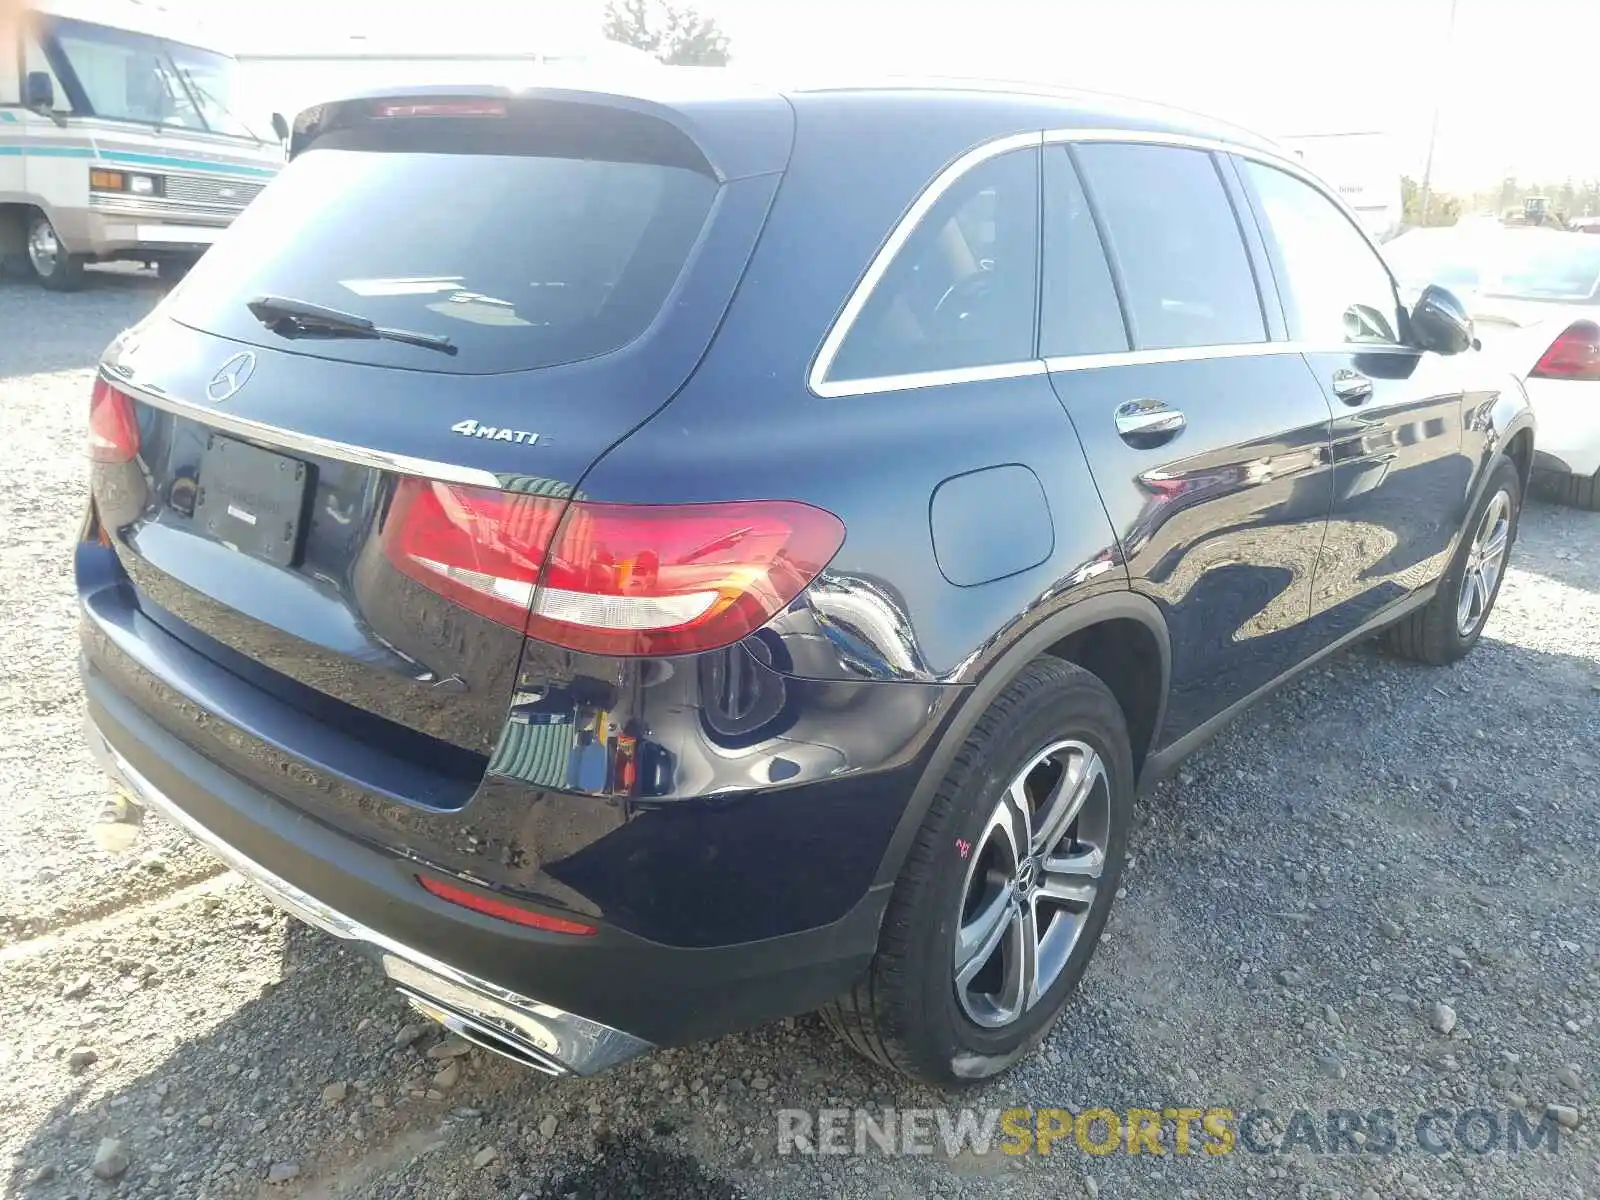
(1148, 422)
(1351, 386)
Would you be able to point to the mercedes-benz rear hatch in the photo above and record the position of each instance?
(330, 461)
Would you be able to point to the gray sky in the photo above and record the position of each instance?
(1517, 84)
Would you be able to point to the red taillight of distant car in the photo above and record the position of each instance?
(1573, 355)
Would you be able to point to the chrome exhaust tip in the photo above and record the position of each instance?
(494, 1040)
(536, 1035)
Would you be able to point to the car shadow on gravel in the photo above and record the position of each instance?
(1560, 548)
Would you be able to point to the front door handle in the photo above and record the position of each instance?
(1146, 423)
(1352, 386)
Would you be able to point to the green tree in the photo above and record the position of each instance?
(675, 33)
(1443, 208)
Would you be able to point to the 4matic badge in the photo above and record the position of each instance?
(470, 428)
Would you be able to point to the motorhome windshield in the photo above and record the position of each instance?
(129, 76)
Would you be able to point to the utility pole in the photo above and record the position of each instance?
(1433, 131)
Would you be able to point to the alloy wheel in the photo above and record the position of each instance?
(1486, 559)
(44, 249)
(1034, 875)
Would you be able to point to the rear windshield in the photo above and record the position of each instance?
(521, 261)
(1522, 264)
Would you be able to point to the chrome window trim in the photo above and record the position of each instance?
(1134, 358)
(922, 379)
(817, 378)
(305, 443)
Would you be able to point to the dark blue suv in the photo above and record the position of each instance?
(646, 564)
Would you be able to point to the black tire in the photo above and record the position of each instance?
(905, 1014)
(172, 270)
(1432, 634)
(66, 272)
(1580, 491)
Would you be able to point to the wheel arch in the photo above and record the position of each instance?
(14, 227)
(1102, 631)
(1519, 449)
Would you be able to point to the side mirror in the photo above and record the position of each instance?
(280, 126)
(1439, 322)
(39, 92)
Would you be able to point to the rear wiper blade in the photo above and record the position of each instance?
(292, 318)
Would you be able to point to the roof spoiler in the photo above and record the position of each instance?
(739, 132)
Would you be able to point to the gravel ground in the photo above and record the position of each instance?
(1379, 853)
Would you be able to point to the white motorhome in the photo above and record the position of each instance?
(1364, 167)
(120, 138)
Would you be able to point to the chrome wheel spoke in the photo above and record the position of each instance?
(1469, 589)
(1072, 879)
(1066, 801)
(1493, 550)
(1020, 990)
(979, 937)
(1015, 813)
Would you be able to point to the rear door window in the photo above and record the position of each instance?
(1175, 237)
(960, 293)
(1078, 311)
(522, 260)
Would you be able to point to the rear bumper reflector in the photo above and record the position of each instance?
(493, 906)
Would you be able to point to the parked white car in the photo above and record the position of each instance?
(1535, 299)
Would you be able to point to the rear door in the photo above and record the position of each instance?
(1402, 473)
(1208, 438)
(355, 522)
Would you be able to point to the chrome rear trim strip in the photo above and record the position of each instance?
(305, 443)
(896, 383)
(569, 1042)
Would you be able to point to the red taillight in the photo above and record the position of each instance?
(479, 547)
(619, 579)
(1573, 355)
(113, 426)
(439, 108)
(490, 906)
(676, 579)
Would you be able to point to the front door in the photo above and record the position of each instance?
(1402, 474)
(1207, 437)
(51, 159)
